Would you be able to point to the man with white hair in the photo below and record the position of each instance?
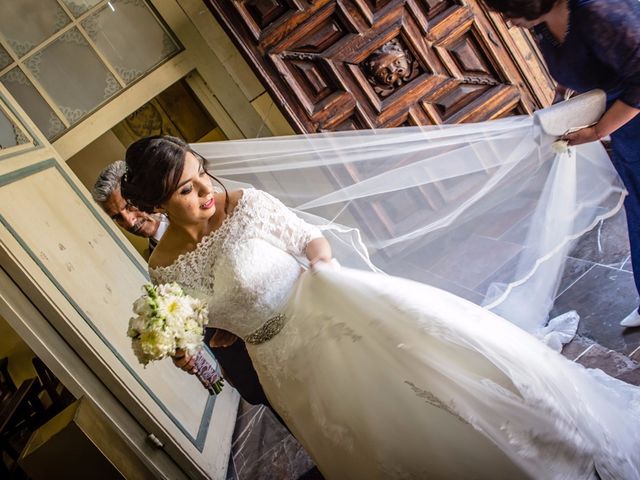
(106, 193)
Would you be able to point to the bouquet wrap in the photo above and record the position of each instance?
(208, 374)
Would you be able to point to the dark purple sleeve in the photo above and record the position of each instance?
(612, 30)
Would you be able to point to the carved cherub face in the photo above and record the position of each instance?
(390, 68)
(390, 65)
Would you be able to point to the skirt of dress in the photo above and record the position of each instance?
(384, 378)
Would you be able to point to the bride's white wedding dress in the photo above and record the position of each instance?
(385, 378)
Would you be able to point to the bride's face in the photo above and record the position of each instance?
(193, 200)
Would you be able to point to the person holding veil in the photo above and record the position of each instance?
(591, 44)
(377, 376)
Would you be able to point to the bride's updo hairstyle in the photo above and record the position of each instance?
(529, 9)
(154, 168)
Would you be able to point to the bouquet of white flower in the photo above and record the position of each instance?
(167, 320)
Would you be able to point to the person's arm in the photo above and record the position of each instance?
(618, 115)
(612, 34)
(291, 232)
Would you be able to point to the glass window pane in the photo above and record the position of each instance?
(5, 59)
(123, 23)
(27, 23)
(10, 134)
(73, 75)
(78, 7)
(30, 100)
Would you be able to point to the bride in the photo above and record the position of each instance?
(378, 377)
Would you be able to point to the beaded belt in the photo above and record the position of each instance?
(267, 331)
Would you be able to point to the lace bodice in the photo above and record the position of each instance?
(246, 268)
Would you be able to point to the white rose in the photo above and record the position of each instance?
(139, 353)
(136, 326)
(190, 341)
(170, 290)
(157, 345)
(141, 306)
(560, 146)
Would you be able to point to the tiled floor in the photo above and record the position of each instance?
(262, 448)
(597, 283)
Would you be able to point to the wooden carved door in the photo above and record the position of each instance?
(354, 64)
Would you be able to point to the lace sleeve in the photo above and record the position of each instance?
(280, 224)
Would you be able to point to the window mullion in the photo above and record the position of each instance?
(103, 59)
(11, 53)
(48, 41)
(97, 6)
(44, 94)
(78, 23)
(41, 91)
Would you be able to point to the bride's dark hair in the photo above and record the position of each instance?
(154, 168)
(529, 9)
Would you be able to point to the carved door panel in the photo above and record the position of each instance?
(353, 64)
(357, 64)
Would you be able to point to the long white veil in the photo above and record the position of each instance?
(487, 211)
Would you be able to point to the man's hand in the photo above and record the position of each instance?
(222, 338)
(185, 361)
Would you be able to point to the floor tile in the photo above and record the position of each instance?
(263, 449)
(609, 361)
(574, 269)
(602, 297)
(410, 270)
(498, 227)
(607, 244)
(631, 376)
(577, 347)
(456, 260)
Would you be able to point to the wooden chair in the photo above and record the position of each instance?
(20, 414)
(57, 392)
(7, 387)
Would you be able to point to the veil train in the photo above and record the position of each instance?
(487, 211)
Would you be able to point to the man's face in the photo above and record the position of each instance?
(129, 217)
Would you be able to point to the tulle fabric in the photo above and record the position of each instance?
(382, 377)
(485, 211)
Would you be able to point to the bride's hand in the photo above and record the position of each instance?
(319, 259)
(318, 251)
(331, 264)
(185, 361)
